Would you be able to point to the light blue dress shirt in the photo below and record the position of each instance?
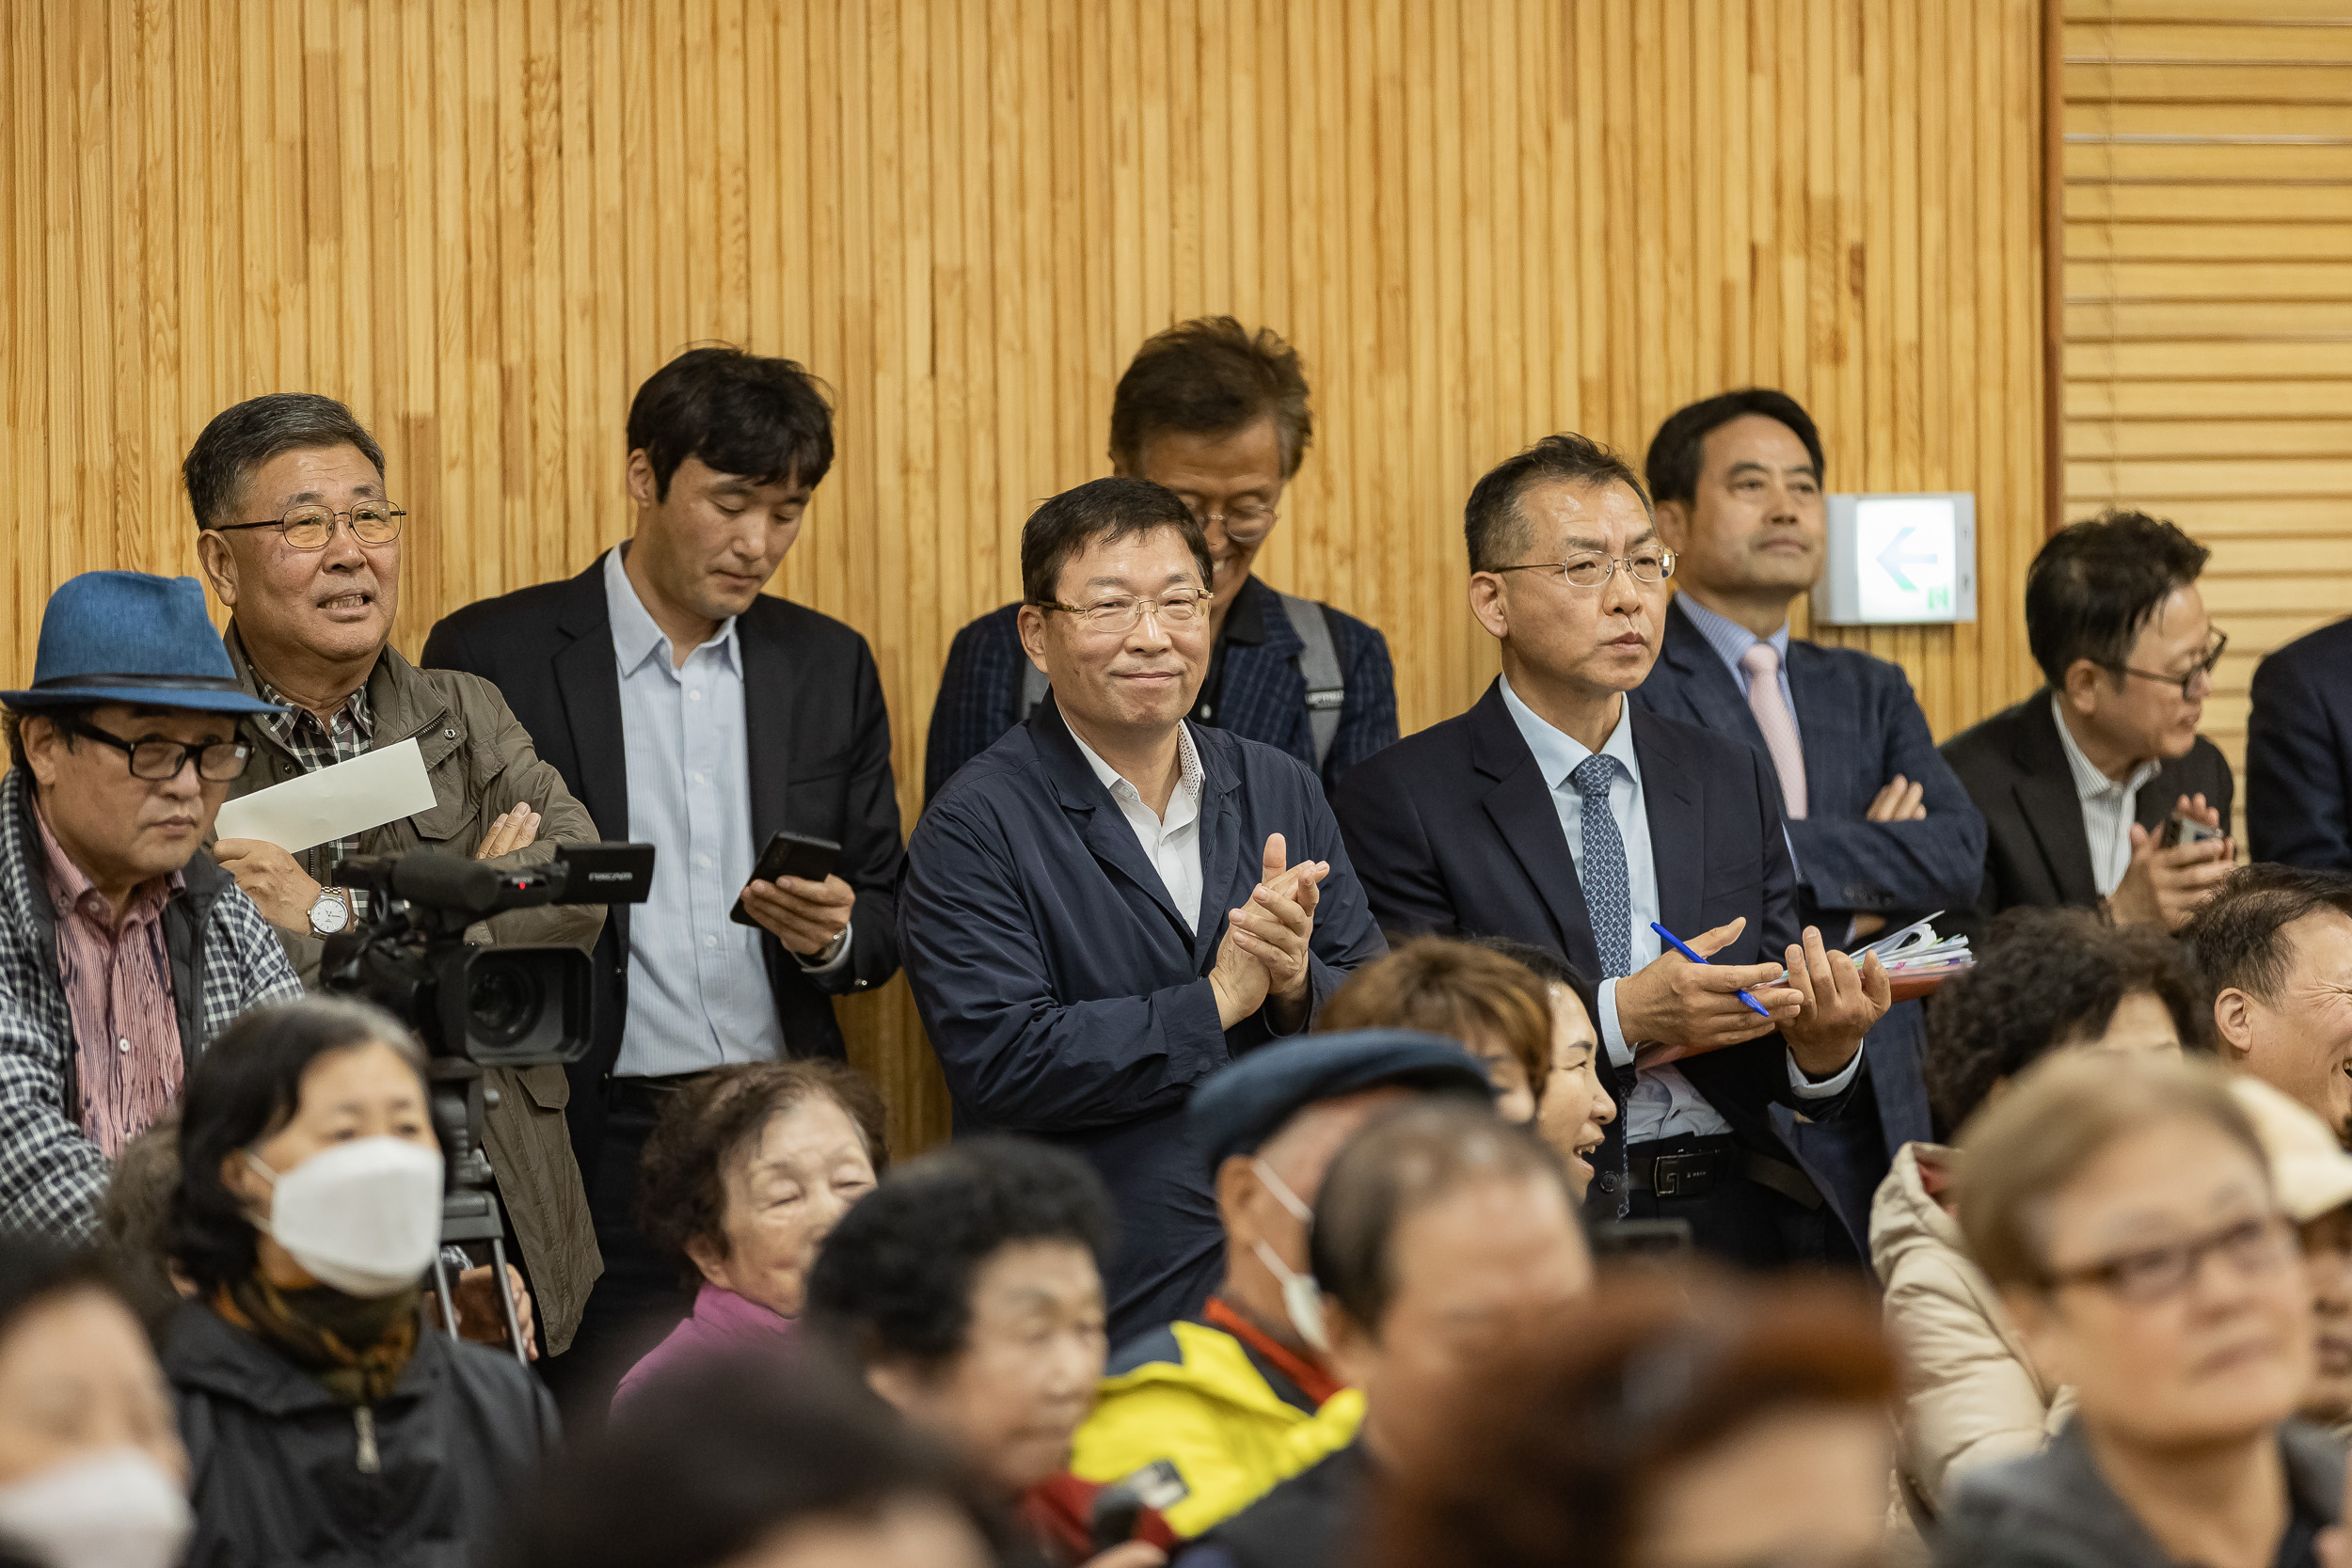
(1731, 641)
(1663, 1103)
(698, 991)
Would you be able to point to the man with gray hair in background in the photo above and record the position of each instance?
(302, 542)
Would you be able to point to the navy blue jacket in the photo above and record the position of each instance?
(1262, 696)
(1454, 833)
(2298, 753)
(1861, 727)
(1067, 1000)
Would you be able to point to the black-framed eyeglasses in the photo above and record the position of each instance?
(2253, 1245)
(1180, 607)
(156, 759)
(311, 527)
(1591, 571)
(2204, 667)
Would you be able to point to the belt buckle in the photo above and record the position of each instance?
(1680, 1175)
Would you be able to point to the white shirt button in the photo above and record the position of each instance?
(696, 695)
(702, 860)
(695, 778)
(710, 942)
(123, 1044)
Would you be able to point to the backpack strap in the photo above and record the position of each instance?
(1319, 662)
(1034, 688)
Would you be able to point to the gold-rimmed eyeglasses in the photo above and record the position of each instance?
(1179, 607)
(310, 528)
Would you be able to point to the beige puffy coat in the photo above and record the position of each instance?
(1975, 1396)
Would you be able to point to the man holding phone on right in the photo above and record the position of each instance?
(2097, 790)
(687, 709)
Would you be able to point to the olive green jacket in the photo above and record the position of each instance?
(480, 761)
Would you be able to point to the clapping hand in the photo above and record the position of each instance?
(1266, 953)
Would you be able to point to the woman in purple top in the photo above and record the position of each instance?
(747, 1170)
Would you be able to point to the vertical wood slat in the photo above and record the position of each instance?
(485, 225)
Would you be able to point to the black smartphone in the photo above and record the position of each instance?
(2187, 830)
(789, 855)
(1115, 1509)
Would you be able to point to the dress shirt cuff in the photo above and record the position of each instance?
(1828, 1088)
(831, 959)
(1611, 1031)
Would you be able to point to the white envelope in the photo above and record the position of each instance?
(333, 803)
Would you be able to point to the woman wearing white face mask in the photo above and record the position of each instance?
(324, 1419)
(92, 1471)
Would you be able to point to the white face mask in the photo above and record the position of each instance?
(1302, 1298)
(364, 1217)
(119, 1509)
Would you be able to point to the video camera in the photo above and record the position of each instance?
(494, 1006)
(476, 1006)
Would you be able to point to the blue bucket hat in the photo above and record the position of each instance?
(130, 637)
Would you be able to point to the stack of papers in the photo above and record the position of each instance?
(1917, 952)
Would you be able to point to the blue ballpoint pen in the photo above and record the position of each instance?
(1684, 948)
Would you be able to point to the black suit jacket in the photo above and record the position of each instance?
(2036, 850)
(1453, 831)
(2298, 753)
(819, 747)
(1861, 726)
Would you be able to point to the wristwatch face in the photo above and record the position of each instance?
(331, 914)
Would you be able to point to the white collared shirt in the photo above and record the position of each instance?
(1663, 1103)
(1170, 843)
(2107, 807)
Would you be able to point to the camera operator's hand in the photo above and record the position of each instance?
(804, 916)
(517, 828)
(480, 1319)
(280, 887)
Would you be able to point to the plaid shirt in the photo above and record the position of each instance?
(51, 1178)
(316, 745)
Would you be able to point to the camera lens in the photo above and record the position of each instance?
(503, 1001)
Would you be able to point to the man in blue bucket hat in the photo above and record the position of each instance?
(123, 949)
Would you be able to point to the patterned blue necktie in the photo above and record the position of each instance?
(1607, 897)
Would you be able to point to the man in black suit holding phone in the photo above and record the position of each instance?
(689, 710)
(1556, 812)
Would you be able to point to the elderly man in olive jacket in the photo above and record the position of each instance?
(303, 545)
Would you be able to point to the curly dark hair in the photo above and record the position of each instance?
(244, 1086)
(2043, 976)
(710, 1124)
(894, 1280)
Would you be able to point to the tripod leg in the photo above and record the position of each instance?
(440, 1289)
(506, 1300)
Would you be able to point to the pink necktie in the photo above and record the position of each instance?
(1779, 726)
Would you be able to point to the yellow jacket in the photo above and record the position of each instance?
(1189, 1397)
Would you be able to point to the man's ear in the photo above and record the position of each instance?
(1032, 624)
(218, 563)
(2080, 688)
(1488, 604)
(1674, 525)
(1235, 1185)
(42, 740)
(639, 477)
(2233, 1025)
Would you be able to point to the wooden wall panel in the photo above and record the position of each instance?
(2207, 305)
(483, 222)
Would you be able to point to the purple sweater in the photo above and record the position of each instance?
(723, 1324)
